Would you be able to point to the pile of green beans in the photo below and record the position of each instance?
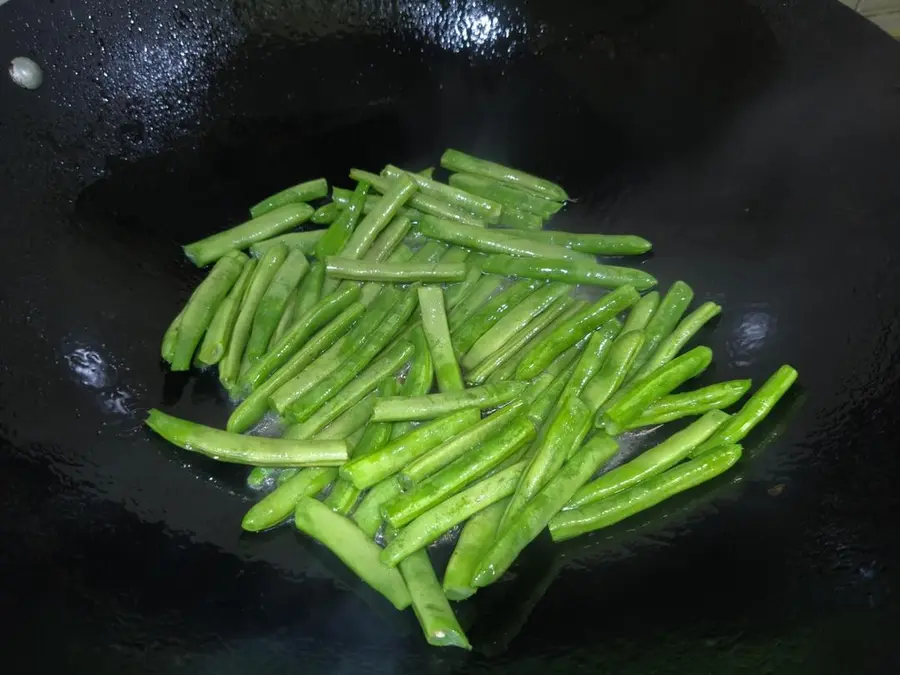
(430, 366)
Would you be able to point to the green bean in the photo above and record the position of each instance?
(302, 241)
(515, 321)
(519, 219)
(460, 473)
(272, 303)
(365, 471)
(368, 514)
(670, 346)
(338, 233)
(528, 522)
(460, 162)
(212, 248)
(546, 397)
(614, 369)
(428, 527)
(569, 271)
(486, 316)
(304, 192)
(309, 292)
(287, 318)
(641, 313)
(565, 431)
(636, 397)
(347, 427)
(690, 403)
(200, 309)
(593, 357)
(167, 349)
(419, 201)
(484, 288)
(651, 462)
(225, 446)
(371, 290)
(344, 268)
(230, 365)
(342, 197)
(664, 319)
(485, 209)
(754, 411)
(574, 329)
(279, 505)
(418, 379)
(475, 538)
(212, 349)
(506, 196)
(378, 218)
(387, 242)
(568, 524)
(353, 547)
(436, 459)
(368, 379)
(326, 214)
(496, 241)
(456, 293)
(430, 406)
(595, 244)
(254, 406)
(428, 172)
(437, 334)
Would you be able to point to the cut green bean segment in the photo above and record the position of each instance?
(275, 222)
(436, 459)
(271, 305)
(167, 349)
(546, 396)
(673, 343)
(345, 268)
(672, 307)
(304, 192)
(637, 397)
(512, 323)
(343, 538)
(460, 473)
(418, 379)
(437, 334)
(402, 408)
(309, 292)
(641, 313)
(368, 514)
(428, 527)
(215, 342)
(593, 357)
(475, 538)
(595, 244)
(378, 218)
(484, 288)
(572, 523)
(225, 446)
(460, 162)
(691, 403)
(613, 370)
(366, 471)
(485, 209)
(287, 318)
(389, 240)
(201, 308)
(255, 406)
(508, 197)
(520, 220)
(490, 313)
(574, 330)
(348, 425)
(565, 432)
(651, 462)
(302, 241)
(279, 505)
(496, 241)
(569, 271)
(754, 411)
(338, 234)
(526, 524)
(456, 293)
(326, 214)
(423, 203)
(401, 255)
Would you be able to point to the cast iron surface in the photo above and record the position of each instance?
(757, 145)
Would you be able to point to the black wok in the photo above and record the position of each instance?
(757, 144)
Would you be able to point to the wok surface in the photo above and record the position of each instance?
(756, 144)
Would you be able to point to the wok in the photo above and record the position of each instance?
(757, 144)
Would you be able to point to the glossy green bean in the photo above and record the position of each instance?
(754, 411)
(275, 222)
(368, 514)
(574, 329)
(431, 406)
(496, 241)
(378, 218)
(651, 462)
(691, 403)
(490, 313)
(569, 271)
(326, 214)
(287, 318)
(309, 292)
(456, 293)
(484, 288)
(302, 241)
(593, 357)
(595, 244)
(614, 369)
(402, 254)
(475, 538)
(460, 162)
(419, 378)
(304, 192)
(437, 334)
(338, 233)
(527, 522)
(672, 307)
(520, 220)
(225, 446)
(545, 397)
(485, 209)
(572, 523)
(641, 313)
(345, 268)
(279, 505)
(215, 341)
(167, 348)
(508, 197)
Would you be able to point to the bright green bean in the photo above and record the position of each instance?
(456, 293)
(690, 403)
(569, 271)
(474, 540)
(275, 222)
(490, 313)
(484, 288)
(673, 306)
(595, 244)
(279, 505)
(593, 357)
(418, 379)
(508, 197)
(437, 334)
(302, 241)
(368, 514)
(485, 209)
(326, 214)
(309, 292)
(215, 342)
(378, 218)
(641, 313)
(272, 303)
(568, 524)
(547, 396)
(520, 220)
(460, 162)
(651, 462)
(304, 192)
(287, 318)
(401, 255)
(430, 406)
(345, 268)
(167, 348)
(613, 370)
(338, 233)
